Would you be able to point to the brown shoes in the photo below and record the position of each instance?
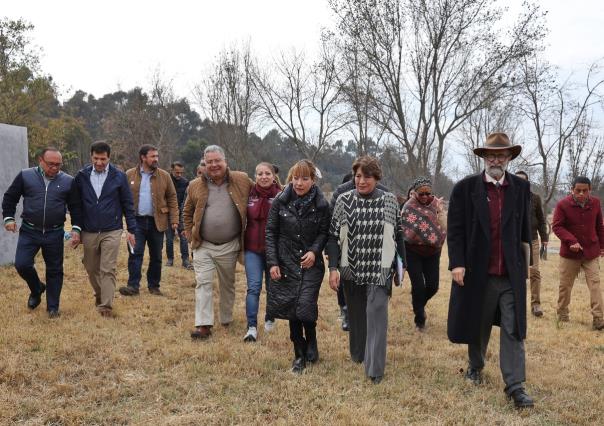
(156, 291)
(201, 332)
(105, 312)
(536, 310)
(598, 324)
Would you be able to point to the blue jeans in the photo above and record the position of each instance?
(51, 242)
(184, 246)
(255, 267)
(146, 232)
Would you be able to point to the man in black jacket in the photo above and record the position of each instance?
(46, 192)
(181, 184)
(105, 197)
(488, 238)
(538, 230)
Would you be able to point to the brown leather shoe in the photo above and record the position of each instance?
(156, 291)
(201, 332)
(598, 324)
(536, 310)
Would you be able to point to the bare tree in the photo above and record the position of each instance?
(586, 154)
(556, 114)
(164, 111)
(303, 100)
(437, 63)
(227, 97)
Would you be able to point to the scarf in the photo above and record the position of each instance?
(302, 203)
(264, 194)
(420, 224)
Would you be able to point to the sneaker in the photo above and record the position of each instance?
(128, 291)
(170, 262)
(598, 324)
(251, 335)
(536, 311)
(269, 325)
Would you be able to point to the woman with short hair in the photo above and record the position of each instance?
(296, 233)
(365, 237)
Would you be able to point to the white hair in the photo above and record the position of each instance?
(214, 148)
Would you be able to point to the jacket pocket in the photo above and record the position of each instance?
(164, 210)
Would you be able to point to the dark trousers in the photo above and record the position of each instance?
(424, 274)
(51, 242)
(146, 233)
(356, 302)
(341, 299)
(184, 245)
(301, 332)
(499, 294)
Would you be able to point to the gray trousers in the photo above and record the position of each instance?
(499, 293)
(368, 325)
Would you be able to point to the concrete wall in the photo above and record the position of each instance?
(13, 158)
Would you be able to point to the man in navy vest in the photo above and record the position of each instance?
(46, 192)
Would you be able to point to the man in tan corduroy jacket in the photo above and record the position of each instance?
(156, 208)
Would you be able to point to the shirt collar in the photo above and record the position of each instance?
(105, 171)
(490, 179)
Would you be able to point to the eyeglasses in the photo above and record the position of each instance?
(423, 194)
(53, 165)
(498, 157)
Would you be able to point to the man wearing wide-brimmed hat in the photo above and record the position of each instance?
(489, 237)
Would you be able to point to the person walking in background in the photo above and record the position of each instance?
(365, 237)
(177, 172)
(201, 168)
(258, 205)
(215, 215)
(46, 192)
(156, 207)
(538, 229)
(425, 229)
(296, 233)
(489, 239)
(105, 198)
(578, 224)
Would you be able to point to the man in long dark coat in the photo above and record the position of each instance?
(489, 238)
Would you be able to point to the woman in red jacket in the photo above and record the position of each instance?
(258, 206)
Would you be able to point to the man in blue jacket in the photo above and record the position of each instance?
(46, 192)
(105, 197)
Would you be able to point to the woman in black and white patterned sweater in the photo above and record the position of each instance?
(365, 236)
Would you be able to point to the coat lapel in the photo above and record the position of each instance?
(479, 198)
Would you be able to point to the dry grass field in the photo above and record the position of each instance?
(141, 367)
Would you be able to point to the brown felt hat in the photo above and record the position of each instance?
(498, 141)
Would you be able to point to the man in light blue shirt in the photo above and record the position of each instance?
(156, 209)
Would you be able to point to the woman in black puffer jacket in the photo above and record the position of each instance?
(296, 233)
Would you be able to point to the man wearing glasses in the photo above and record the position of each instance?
(46, 193)
(489, 237)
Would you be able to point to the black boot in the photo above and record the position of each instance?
(312, 351)
(299, 363)
(345, 326)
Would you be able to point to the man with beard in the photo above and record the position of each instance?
(489, 239)
(156, 207)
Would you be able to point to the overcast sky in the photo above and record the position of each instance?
(100, 47)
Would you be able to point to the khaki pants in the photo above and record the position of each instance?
(535, 274)
(569, 269)
(222, 259)
(100, 260)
